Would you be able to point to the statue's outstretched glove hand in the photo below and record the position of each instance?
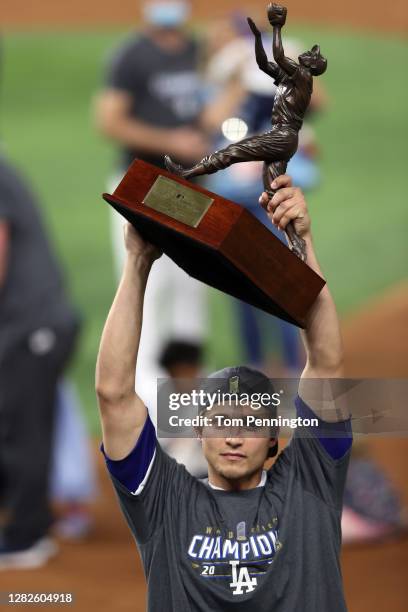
(277, 14)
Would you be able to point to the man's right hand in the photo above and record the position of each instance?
(135, 245)
(187, 145)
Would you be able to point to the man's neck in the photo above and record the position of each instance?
(219, 482)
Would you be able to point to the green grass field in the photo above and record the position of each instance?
(359, 212)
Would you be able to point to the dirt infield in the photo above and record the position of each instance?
(365, 14)
(376, 336)
(105, 573)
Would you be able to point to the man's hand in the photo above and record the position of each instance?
(186, 144)
(253, 27)
(277, 14)
(288, 204)
(135, 245)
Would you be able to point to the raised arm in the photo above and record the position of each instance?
(123, 413)
(270, 68)
(322, 337)
(277, 18)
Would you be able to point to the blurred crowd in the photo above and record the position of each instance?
(165, 91)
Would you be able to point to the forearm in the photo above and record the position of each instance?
(322, 337)
(260, 55)
(136, 134)
(277, 46)
(113, 118)
(116, 364)
(261, 58)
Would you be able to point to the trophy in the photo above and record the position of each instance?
(215, 240)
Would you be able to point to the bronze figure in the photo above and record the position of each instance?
(275, 148)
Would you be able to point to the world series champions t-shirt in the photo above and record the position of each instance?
(272, 548)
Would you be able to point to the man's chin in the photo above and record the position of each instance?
(232, 472)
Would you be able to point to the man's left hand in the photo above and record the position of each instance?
(288, 204)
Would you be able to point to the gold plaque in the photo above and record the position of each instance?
(177, 201)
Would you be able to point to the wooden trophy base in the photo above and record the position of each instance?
(216, 241)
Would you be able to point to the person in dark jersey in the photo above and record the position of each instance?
(38, 330)
(294, 89)
(245, 539)
(152, 102)
(152, 96)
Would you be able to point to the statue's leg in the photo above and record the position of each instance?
(179, 170)
(245, 150)
(270, 172)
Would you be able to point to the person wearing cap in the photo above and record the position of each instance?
(245, 538)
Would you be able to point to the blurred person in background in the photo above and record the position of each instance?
(38, 329)
(153, 104)
(150, 104)
(373, 509)
(182, 363)
(72, 490)
(151, 101)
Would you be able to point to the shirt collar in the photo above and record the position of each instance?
(261, 483)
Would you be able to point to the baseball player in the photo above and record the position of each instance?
(245, 538)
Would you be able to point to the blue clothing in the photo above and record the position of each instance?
(131, 472)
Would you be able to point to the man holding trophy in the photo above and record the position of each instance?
(245, 538)
(193, 550)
